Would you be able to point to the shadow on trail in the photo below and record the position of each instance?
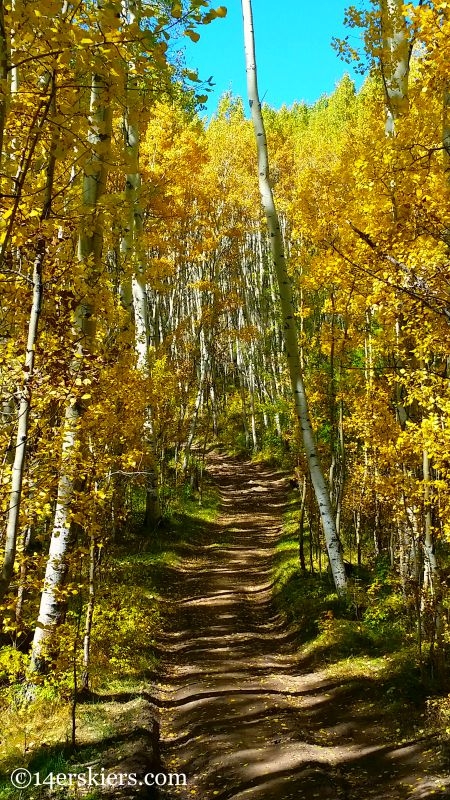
(241, 714)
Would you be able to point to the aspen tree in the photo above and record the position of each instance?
(3, 76)
(24, 394)
(132, 249)
(90, 240)
(395, 61)
(446, 134)
(204, 363)
(29, 160)
(22, 157)
(288, 312)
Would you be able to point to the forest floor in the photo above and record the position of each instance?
(243, 713)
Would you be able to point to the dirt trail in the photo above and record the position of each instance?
(241, 716)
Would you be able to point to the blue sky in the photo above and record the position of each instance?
(293, 48)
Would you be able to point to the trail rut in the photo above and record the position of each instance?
(243, 718)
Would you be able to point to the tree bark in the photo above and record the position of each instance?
(51, 608)
(24, 395)
(395, 61)
(89, 617)
(131, 249)
(288, 312)
(18, 467)
(301, 528)
(3, 77)
(89, 252)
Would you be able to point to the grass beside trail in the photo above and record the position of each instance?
(124, 661)
(366, 643)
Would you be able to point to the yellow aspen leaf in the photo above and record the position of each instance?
(176, 10)
(193, 35)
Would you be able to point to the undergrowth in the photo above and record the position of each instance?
(367, 639)
(37, 734)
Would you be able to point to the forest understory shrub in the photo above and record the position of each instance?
(372, 634)
(123, 659)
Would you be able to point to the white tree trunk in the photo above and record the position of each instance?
(131, 245)
(90, 252)
(15, 497)
(51, 608)
(395, 61)
(3, 77)
(140, 321)
(89, 616)
(430, 572)
(204, 361)
(288, 310)
(13, 517)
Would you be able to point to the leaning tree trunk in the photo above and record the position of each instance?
(23, 414)
(288, 312)
(90, 241)
(24, 393)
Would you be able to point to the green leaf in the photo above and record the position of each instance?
(148, 40)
